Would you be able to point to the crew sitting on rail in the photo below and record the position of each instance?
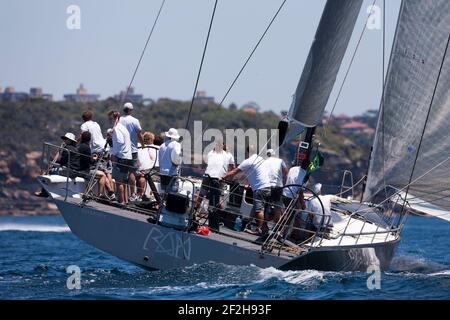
(91, 166)
(60, 162)
(69, 146)
(219, 163)
(120, 155)
(158, 141)
(105, 166)
(313, 206)
(170, 158)
(84, 159)
(146, 162)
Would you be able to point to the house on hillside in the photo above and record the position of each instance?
(81, 95)
(356, 128)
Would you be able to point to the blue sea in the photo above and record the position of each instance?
(35, 252)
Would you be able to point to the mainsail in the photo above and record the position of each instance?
(416, 108)
(324, 60)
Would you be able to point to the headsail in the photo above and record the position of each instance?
(418, 61)
(324, 60)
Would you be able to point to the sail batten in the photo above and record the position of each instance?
(324, 60)
(419, 70)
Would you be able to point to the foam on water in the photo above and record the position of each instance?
(440, 273)
(29, 227)
(414, 264)
(306, 277)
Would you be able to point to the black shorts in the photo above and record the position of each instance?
(165, 181)
(212, 189)
(134, 162)
(275, 195)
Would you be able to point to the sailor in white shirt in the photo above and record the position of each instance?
(121, 154)
(260, 182)
(277, 169)
(97, 143)
(147, 158)
(314, 206)
(169, 157)
(134, 128)
(295, 176)
(218, 163)
(230, 157)
(277, 172)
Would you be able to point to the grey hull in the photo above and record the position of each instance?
(129, 236)
(345, 259)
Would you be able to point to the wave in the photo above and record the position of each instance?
(306, 277)
(30, 227)
(414, 264)
(441, 273)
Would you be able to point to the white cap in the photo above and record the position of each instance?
(69, 136)
(317, 188)
(128, 105)
(110, 131)
(172, 133)
(270, 152)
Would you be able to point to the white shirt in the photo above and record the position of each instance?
(314, 206)
(133, 126)
(275, 167)
(295, 176)
(145, 158)
(218, 163)
(257, 174)
(97, 143)
(154, 154)
(231, 157)
(170, 158)
(121, 142)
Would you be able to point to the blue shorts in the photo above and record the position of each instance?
(121, 169)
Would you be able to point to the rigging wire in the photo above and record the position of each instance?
(201, 64)
(382, 99)
(272, 20)
(143, 52)
(252, 52)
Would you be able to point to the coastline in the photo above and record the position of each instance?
(32, 207)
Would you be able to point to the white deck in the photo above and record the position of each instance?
(357, 232)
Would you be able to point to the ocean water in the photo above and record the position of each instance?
(35, 252)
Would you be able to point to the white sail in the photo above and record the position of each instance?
(422, 206)
(414, 119)
(324, 60)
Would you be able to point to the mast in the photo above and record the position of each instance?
(304, 149)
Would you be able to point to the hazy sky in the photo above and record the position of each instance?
(39, 50)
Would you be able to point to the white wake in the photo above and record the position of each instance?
(33, 227)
